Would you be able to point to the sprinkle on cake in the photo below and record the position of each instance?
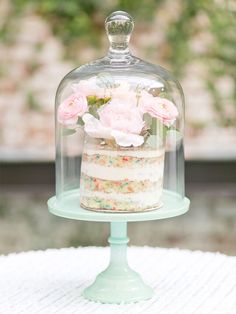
(121, 180)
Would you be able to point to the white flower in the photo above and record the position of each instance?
(90, 88)
(126, 140)
(94, 128)
(123, 93)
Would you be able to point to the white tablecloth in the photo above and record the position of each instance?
(51, 281)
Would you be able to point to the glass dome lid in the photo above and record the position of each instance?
(119, 130)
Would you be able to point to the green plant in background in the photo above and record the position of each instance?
(32, 102)
(219, 58)
(77, 22)
(83, 19)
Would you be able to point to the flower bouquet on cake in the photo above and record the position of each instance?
(123, 156)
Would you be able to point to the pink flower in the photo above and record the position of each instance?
(158, 107)
(121, 117)
(118, 121)
(72, 108)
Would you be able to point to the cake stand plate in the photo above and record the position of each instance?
(69, 207)
(118, 283)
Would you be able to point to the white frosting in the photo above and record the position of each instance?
(144, 198)
(153, 172)
(142, 153)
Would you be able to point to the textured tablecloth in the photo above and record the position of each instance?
(51, 281)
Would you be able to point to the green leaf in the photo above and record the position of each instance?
(91, 100)
(80, 121)
(66, 132)
(106, 99)
(93, 111)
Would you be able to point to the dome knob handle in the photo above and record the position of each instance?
(119, 26)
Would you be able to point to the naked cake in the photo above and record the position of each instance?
(119, 180)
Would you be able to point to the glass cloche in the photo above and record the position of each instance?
(119, 131)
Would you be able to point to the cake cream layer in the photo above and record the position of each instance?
(91, 149)
(144, 198)
(122, 161)
(118, 186)
(151, 172)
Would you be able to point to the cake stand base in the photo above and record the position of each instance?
(118, 283)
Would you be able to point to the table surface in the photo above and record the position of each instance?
(51, 281)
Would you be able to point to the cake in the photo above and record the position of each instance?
(121, 180)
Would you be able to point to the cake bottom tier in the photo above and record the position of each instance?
(107, 204)
(121, 180)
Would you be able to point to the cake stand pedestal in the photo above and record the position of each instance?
(118, 283)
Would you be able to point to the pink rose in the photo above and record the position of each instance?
(121, 117)
(72, 108)
(158, 107)
(119, 121)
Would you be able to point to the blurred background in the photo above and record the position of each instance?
(40, 41)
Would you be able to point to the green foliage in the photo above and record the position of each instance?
(219, 59)
(75, 20)
(32, 102)
(66, 131)
(95, 103)
(70, 19)
(115, 28)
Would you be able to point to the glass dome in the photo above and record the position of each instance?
(119, 130)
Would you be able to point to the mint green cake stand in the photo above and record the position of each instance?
(118, 283)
